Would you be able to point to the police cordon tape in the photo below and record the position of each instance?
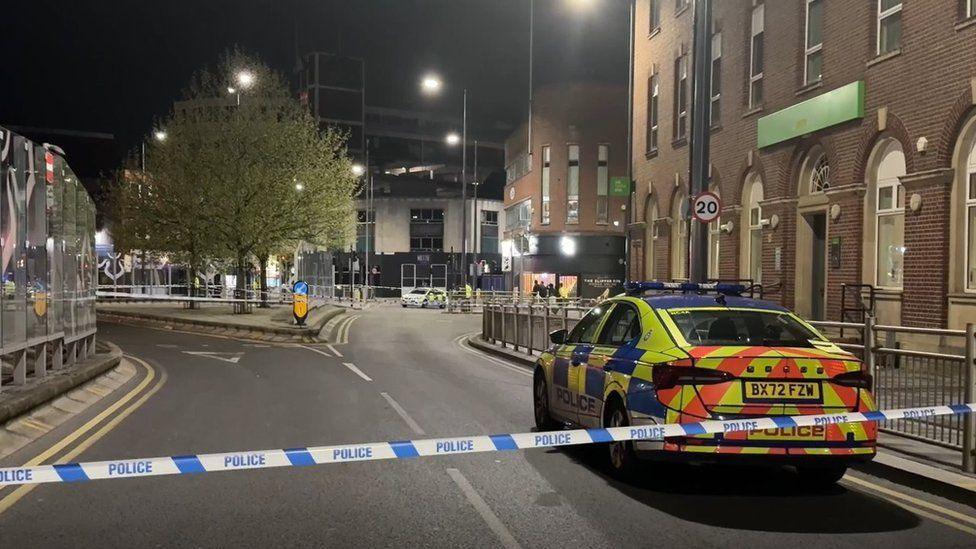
(405, 449)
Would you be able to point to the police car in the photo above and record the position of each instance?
(667, 352)
(424, 297)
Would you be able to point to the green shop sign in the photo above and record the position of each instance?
(825, 110)
(619, 186)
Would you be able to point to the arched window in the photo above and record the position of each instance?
(650, 238)
(889, 209)
(679, 237)
(714, 236)
(816, 172)
(750, 238)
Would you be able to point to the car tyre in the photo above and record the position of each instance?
(540, 403)
(620, 455)
(821, 476)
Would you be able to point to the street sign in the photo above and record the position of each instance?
(506, 264)
(619, 186)
(300, 301)
(707, 207)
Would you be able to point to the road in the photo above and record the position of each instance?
(406, 374)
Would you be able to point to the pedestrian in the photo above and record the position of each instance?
(551, 292)
(535, 289)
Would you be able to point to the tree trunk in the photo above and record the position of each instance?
(191, 285)
(263, 267)
(240, 291)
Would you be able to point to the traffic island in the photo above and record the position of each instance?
(19, 399)
(273, 324)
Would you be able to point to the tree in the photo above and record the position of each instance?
(241, 175)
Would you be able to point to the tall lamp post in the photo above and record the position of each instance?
(431, 85)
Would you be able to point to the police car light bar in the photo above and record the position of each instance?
(637, 288)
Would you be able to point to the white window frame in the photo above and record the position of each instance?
(755, 224)
(879, 213)
(572, 200)
(816, 48)
(717, 97)
(759, 10)
(654, 15)
(969, 204)
(681, 80)
(602, 183)
(970, 9)
(653, 107)
(680, 218)
(546, 190)
(714, 244)
(882, 15)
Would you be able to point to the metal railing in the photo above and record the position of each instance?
(940, 371)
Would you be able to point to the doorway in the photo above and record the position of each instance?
(818, 264)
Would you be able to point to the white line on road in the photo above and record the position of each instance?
(403, 413)
(489, 516)
(345, 328)
(319, 351)
(333, 349)
(357, 371)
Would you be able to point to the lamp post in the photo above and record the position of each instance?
(431, 84)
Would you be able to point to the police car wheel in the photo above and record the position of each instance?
(621, 454)
(821, 476)
(540, 403)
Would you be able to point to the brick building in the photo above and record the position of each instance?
(843, 147)
(564, 200)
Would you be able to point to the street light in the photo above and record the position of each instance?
(245, 78)
(430, 84)
(299, 187)
(231, 90)
(160, 135)
(452, 139)
(358, 170)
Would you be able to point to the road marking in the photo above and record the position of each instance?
(256, 345)
(15, 496)
(342, 331)
(333, 349)
(913, 500)
(319, 351)
(489, 516)
(210, 354)
(357, 371)
(403, 413)
(461, 341)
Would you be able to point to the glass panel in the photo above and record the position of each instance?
(755, 255)
(891, 250)
(757, 93)
(754, 217)
(888, 4)
(890, 33)
(972, 181)
(814, 67)
(814, 23)
(37, 275)
(757, 55)
(884, 198)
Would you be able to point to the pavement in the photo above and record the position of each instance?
(401, 374)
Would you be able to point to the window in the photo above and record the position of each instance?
(756, 57)
(650, 238)
(489, 217)
(365, 230)
(654, 21)
(820, 174)
(489, 232)
(602, 182)
(753, 234)
(518, 216)
(489, 244)
(585, 329)
(545, 184)
(741, 327)
(970, 8)
(680, 5)
(681, 97)
(714, 236)
(572, 185)
(680, 220)
(889, 26)
(426, 230)
(971, 221)
(652, 103)
(716, 112)
(813, 56)
(890, 211)
(621, 327)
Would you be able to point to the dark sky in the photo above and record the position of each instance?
(115, 65)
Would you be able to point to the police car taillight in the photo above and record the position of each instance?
(667, 376)
(859, 379)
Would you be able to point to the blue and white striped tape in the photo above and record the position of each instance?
(405, 449)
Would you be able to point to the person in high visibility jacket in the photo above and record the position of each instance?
(468, 291)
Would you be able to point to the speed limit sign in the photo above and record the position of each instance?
(707, 206)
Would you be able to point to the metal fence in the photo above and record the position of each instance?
(943, 374)
(47, 301)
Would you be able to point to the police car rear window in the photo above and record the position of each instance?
(741, 327)
(418, 292)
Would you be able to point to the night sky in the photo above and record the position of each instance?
(116, 65)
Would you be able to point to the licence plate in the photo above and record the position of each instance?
(781, 391)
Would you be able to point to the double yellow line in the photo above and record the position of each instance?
(118, 406)
(932, 511)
